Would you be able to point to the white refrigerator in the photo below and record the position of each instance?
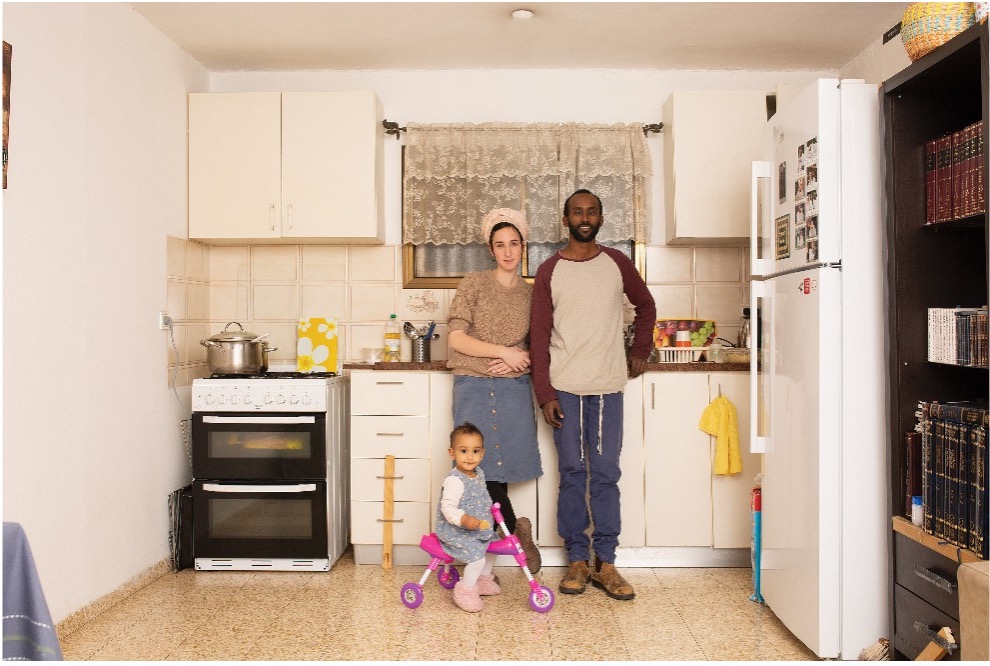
(817, 383)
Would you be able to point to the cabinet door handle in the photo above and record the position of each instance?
(653, 395)
(394, 520)
(271, 217)
(390, 434)
(290, 216)
(388, 383)
(933, 578)
(390, 477)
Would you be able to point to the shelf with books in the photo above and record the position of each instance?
(936, 262)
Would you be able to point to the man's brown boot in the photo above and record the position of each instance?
(576, 578)
(607, 578)
(524, 530)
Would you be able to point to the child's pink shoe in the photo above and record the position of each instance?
(467, 598)
(487, 587)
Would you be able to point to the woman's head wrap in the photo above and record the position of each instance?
(513, 217)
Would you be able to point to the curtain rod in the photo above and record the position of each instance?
(394, 129)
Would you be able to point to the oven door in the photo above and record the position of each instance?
(254, 520)
(259, 446)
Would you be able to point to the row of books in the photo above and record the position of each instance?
(947, 466)
(958, 336)
(954, 175)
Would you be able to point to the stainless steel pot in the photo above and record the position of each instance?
(237, 352)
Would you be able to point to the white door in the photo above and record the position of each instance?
(801, 480)
(234, 165)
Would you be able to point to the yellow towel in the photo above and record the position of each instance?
(719, 419)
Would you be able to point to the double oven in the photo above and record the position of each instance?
(269, 456)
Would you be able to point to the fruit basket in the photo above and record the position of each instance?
(702, 332)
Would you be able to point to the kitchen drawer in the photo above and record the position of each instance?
(412, 521)
(909, 609)
(399, 436)
(411, 485)
(390, 393)
(928, 574)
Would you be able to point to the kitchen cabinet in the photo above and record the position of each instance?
(686, 503)
(710, 139)
(928, 266)
(286, 167)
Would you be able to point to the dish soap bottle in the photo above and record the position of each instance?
(392, 340)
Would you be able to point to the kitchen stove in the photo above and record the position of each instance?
(269, 467)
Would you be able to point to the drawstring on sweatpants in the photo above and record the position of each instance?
(601, 417)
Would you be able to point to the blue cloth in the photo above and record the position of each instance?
(28, 631)
(459, 542)
(588, 445)
(502, 408)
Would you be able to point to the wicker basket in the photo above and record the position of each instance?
(928, 25)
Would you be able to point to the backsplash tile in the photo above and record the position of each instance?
(269, 288)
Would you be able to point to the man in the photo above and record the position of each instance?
(579, 370)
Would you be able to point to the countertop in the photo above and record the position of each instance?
(700, 366)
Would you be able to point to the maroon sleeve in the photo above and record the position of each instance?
(540, 326)
(639, 295)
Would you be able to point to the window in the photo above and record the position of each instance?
(454, 174)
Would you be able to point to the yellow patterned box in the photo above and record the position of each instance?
(316, 345)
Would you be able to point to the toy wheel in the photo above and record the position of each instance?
(542, 600)
(411, 595)
(448, 576)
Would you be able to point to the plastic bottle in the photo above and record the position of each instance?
(917, 511)
(392, 340)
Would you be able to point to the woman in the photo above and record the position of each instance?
(488, 330)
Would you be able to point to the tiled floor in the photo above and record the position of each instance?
(354, 613)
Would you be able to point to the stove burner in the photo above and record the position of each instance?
(276, 375)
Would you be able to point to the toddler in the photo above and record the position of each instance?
(464, 518)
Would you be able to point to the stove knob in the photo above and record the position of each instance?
(247, 400)
(220, 399)
(210, 399)
(268, 399)
(234, 400)
(306, 399)
(280, 399)
(294, 399)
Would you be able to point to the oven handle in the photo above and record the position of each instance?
(235, 488)
(248, 420)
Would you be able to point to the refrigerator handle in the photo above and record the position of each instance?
(761, 260)
(759, 407)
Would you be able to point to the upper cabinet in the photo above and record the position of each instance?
(286, 167)
(710, 140)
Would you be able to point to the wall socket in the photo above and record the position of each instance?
(163, 320)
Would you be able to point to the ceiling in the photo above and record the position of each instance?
(285, 36)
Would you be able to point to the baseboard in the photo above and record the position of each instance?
(108, 601)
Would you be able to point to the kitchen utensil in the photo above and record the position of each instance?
(236, 352)
(421, 348)
(409, 329)
(429, 331)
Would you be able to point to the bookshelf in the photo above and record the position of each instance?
(928, 266)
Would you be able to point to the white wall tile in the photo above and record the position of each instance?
(195, 334)
(179, 332)
(673, 301)
(723, 304)
(274, 263)
(668, 264)
(197, 301)
(176, 299)
(324, 263)
(717, 264)
(372, 264)
(229, 300)
(175, 260)
(324, 300)
(273, 302)
(423, 305)
(230, 263)
(364, 335)
(197, 261)
(372, 302)
(281, 335)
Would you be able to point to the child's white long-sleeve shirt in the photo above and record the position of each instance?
(450, 499)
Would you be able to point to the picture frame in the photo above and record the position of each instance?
(783, 237)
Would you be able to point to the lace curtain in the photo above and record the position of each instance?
(454, 174)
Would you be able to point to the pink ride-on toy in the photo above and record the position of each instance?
(540, 597)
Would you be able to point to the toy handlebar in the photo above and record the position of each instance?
(497, 513)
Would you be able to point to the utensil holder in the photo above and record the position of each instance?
(421, 350)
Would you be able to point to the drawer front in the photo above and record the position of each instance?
(928, 574)
(412, 482)
(412, 521)
(909, 609)
(399, 436)
(390, 393)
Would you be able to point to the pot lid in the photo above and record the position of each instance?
(234, 336)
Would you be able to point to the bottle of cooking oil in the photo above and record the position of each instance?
(392, 340)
